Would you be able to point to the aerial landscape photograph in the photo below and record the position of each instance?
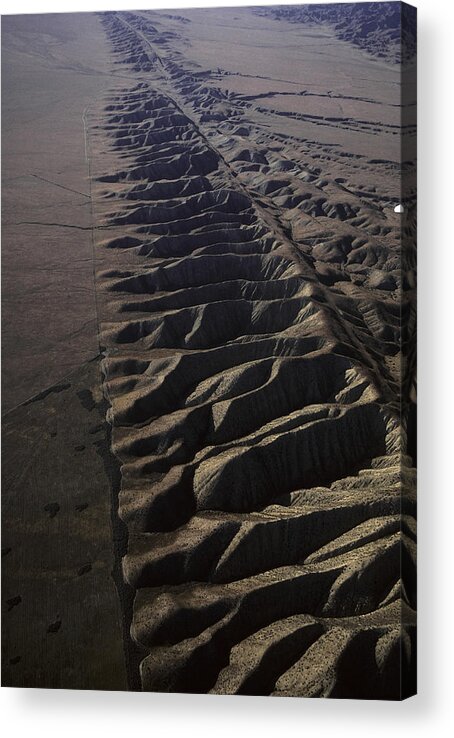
(209, 350)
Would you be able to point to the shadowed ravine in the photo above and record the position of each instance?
(251, 306)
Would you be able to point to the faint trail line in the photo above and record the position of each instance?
(59, 225)
(92, 226)
(120, 533)
(84, 194)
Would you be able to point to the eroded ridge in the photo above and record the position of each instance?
(254, 402)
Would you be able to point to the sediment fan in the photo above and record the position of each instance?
(252, 313)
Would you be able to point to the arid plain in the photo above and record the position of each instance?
(208, 303)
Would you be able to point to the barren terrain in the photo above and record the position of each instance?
(254, 308)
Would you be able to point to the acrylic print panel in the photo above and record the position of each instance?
(209, 342)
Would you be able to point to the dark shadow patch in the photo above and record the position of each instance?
(13, 602)
(52, 508)
(84, 570)
(86, 399)
(96, 429)
(54, 627)
(42, 395)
